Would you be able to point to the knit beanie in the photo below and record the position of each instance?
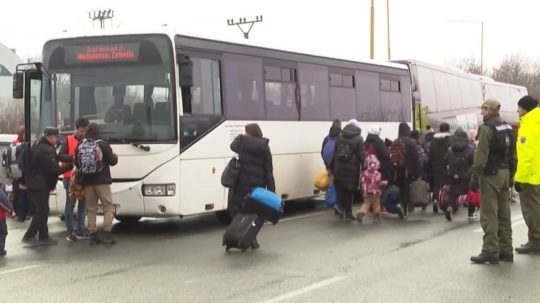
(528, 103)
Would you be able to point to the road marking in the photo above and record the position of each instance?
(304, 290)
(19, 269)
(518, 220)
(303, 216)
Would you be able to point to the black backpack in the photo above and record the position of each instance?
(458, 163)
(344, 152)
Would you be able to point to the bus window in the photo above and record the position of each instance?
(314, 91)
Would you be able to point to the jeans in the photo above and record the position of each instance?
(68, 212)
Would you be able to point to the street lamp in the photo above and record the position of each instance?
(481, 39)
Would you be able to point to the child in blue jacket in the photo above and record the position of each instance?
(5, 209)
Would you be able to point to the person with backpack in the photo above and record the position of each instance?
(346, 165)
(20, 193)
(41, 178)
(494, 163)
(527, 178)
(458, 161)
(257, 169)
(436, 170)
(406, 167)
(93, 159)
(372, 183)
(67, 151)
(327, 152)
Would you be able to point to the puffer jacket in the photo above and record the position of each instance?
(436, 169)
(347, 173)
(256, 166)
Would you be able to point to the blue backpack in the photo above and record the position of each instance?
(328, 149)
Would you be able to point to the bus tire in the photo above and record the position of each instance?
(224, 217)
(127, 219)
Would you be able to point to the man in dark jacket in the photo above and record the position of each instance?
(98, 187)
(458, 162)
(403, 179)
(436, 170)
(41, 178)
(346, 167)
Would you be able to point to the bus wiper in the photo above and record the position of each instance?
(138, 145)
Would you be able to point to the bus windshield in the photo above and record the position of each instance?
(122, 83)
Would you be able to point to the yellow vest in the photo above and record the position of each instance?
(528, 148)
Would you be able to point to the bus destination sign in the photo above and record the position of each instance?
(113, 53)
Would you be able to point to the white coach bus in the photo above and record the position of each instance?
(170, 105)
(442, 94)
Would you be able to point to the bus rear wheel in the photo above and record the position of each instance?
(127, 219)
(224, 217)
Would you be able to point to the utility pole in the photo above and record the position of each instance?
(372, 33)
(242, 21)
(101, 15)
(388, 26)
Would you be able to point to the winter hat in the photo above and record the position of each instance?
(375, 130)
(528, 103)
(354, 122)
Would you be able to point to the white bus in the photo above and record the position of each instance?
(442, 94)
(170, 105)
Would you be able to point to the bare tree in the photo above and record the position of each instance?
(12, 116)
(469, 65)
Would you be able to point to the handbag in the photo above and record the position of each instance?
(321, 180)
(230, 174)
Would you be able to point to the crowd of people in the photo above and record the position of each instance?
(477, 169)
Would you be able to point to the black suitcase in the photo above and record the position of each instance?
(242, 231)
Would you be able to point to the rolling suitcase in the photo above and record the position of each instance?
(242, 231)
(420, 193)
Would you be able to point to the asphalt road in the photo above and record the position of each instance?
(310, 256)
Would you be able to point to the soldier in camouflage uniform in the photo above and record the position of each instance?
(494, 165)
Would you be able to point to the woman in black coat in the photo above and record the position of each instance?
(256, 167)
(412, 169)
(345, 166)
(437, 151)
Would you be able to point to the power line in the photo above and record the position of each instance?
(101, 15)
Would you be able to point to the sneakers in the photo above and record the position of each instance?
(360, 217)
(47, 241)
(71, 237)
(484, 258)
(347, 216)
(3, 252)
(528, 248)
(337, 210)
(377, 218)
(448, 214)
(400, 213)
(106, 238)
(83, 235)
(30, 241)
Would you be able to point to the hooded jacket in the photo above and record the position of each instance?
(347, 173)
(256, 166)
(411, 154)
(333, 133)
(528, 148)
(436, 169)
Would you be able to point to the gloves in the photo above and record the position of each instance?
(518, 187)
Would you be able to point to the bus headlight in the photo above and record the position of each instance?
(159, 190)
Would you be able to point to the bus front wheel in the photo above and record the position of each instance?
(224, 217)
(127, 219)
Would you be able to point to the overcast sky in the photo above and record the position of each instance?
(420, 29)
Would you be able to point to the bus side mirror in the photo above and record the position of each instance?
(18, 85)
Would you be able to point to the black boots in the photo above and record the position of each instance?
(528, 248)
(485, 257)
